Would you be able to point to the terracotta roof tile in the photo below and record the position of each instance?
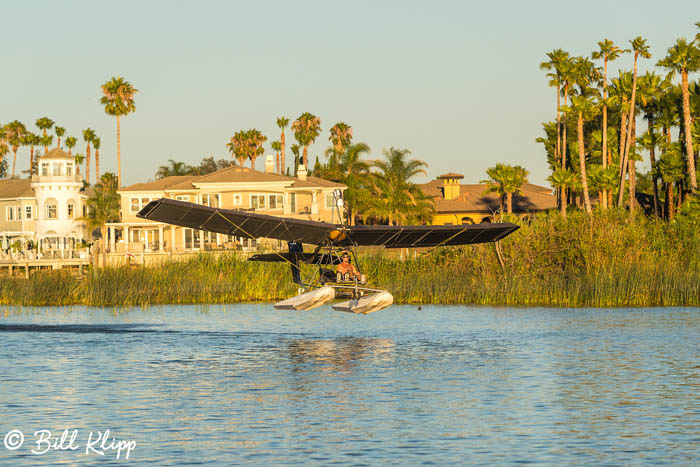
(239, 174)
(56, 153)
(161, 184)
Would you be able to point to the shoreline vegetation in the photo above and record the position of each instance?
(612, 259)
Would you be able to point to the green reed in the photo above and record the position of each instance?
(605, 260)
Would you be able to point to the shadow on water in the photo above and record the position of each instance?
(82, 328)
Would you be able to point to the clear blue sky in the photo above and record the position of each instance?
(455, 82)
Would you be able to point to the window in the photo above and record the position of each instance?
(135, 205)
(69, 168)
(330, 202)
(84, 210)
(182, 198)
(211, 200)
(51, 209)
(44, 169)
(467, 221)
(293, 202)
(144, 201)
(18, 212)
(71, 209)
(10, 213)
(276, 201)
(28, 212)
(56, 169)
(257, 201)
(237, 200)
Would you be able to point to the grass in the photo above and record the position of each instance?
(607, 260)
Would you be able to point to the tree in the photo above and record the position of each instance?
(88, 136)
(651, 89)
(684, 58)
(506, 180)
(247, 145)
(118, 99)
(306, 129)
(60, 131)
(640, 49)
(209, 165)
(31, 140)
(295, 150)
(70, 144)
(609, 52)
(277, 147)
(670, 168)
(96, 143)
(341, 137)
(282, 123)
(584, 107)
(14, 132)
(79, 159)
(355, 174)
(173, 169)
(256, 140)
(238, 146)
(396, 198)
(103, 207)
(558, 60)
(45, 123)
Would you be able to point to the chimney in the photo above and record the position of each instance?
(301, 172)
(451, 187)
(269, 164)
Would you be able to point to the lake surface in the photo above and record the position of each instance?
(245, 384)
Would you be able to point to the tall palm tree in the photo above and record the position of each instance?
(295, 150)
(562, 179)
(102, 207)
(282, 123)
(651, 88)
(71, 141)
(357, 177)
(306, 129)
(397, 199)
(14, 132)
(670, 168)
(31, 140)
(173, 169)
(45, 123)
(79, 159)
(60, 131)
(505, 180)
(277, 147)
(118, 99)
(640, 49)
(684, 58)
(341, 137)
(568, 74)
(88, 136)
(238, 146)
(557, 62)
(96, 143)
(584, 108)
(256, 140)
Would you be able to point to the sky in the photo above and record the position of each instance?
(455, 82)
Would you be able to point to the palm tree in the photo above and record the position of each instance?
(505, 180)
(238, 146)
(562, 179)
(88, 136)
(295, 150)
(341, 137)
(31, 140)
(282, 123)
(356, 176)
(14, 132)
(584, 107)
(79, 159)
(173, 169)
(568, 74)
(651, 89)
(256, 140)
(684, 58)
(45, 123)
(277, 147)
(103, 207)
(247, 145)
(640, 49)
(670, 168)
(70, 144)
(557, 61)
(60, 131)
(396, 197)
(96, 143)
(306, 129)
(118, 99)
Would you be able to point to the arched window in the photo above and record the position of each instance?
(50, 209)
(467, 220)
(71, 209)
(486, 220)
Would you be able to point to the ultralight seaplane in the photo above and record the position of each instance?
(333, 244)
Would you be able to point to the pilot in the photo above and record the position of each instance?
(346, 271)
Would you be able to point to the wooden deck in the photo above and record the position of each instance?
(25, 266)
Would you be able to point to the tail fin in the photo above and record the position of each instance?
(295, 247)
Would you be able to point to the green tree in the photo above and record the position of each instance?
(173, 168)
(45, 123)
(118, 100)
(277, 147)
(96, 143)
(30, 139)
(282, 123)
(238, 146)
(256, 140)
(341, 137)
(295, 150)
(103, 207)
(584, 107)
(684, 58)
(357, 177)
(670, 168)
(70, 144)
(60, 131)
(14, 132)
(88, 137)
(505, 180)
(306, 129)
(558, 61)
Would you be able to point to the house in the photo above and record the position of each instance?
(47, 208)
(236, 187)
(457, 203)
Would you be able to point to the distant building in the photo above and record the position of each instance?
(236, 187)
(458, 203)
(46, 208)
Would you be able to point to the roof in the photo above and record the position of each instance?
(473, 199)
(16, 188)
(234, 174)
(160, 184)
(450, 175)
(56, 153)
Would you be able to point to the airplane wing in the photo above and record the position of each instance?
(251, 225)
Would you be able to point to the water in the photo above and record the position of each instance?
(245, 384)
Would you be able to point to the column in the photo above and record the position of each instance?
(145, 237)
(172, 238)
(201, 239)
(314, 203)
(126, 239)
(112, 230)
(160, 238)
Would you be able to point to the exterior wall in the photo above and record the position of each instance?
(61, 194)
(456, 218)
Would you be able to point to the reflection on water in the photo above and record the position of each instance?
(246, 384)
